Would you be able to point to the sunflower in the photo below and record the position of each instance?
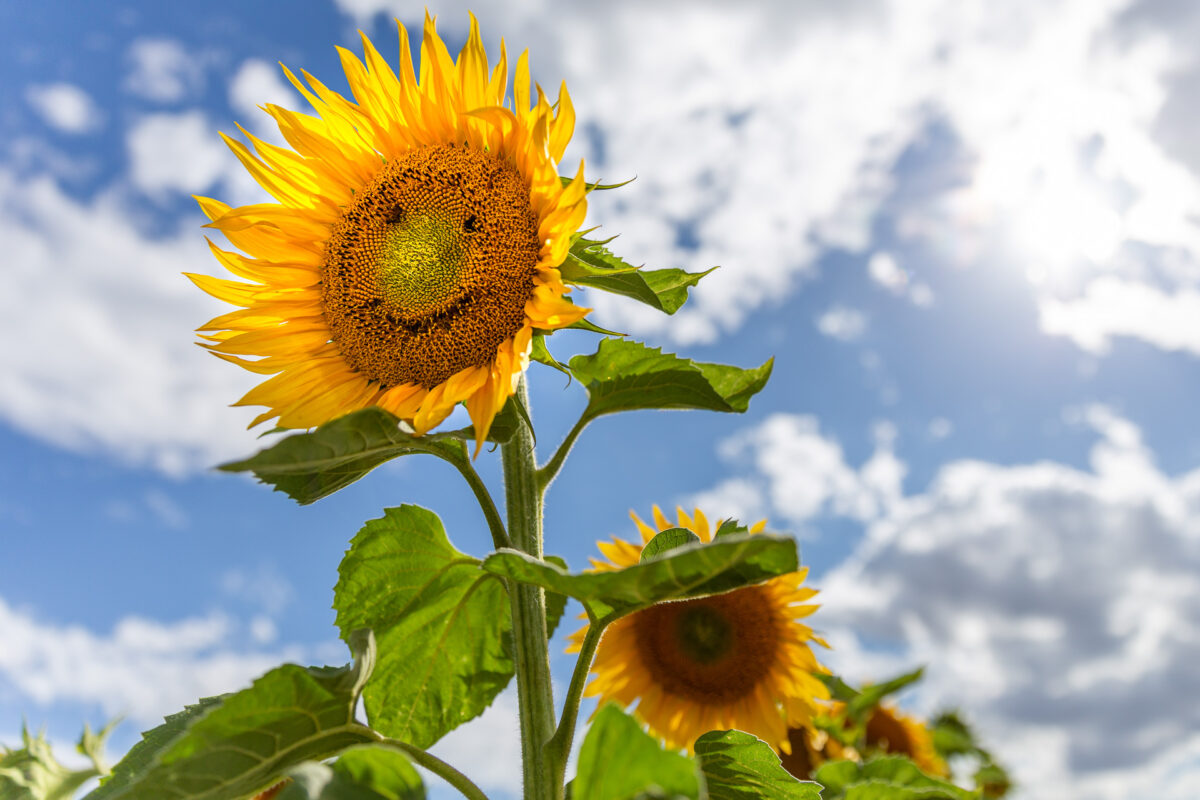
(892, 731)
(414, 247)
(810, 748)
(735, 660)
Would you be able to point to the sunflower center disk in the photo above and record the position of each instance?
(421, 264)
(713, 649)
(427, 273)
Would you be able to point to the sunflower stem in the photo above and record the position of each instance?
(523, 496)
(549, 470)
(438, 767)
(495, 524)
(560, 746)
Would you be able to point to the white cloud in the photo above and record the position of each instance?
(163, 70)
(258, 83)
(804, 474)
(884, 270)
(107, 361)
(842, 323)
(65, 106)
(143, 668)
(1056, 606)
(176, 153)
(487, 749)
(1111, 307)
(794, 116)
(940, 428)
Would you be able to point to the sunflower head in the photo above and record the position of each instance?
(735, 660)
(890, 730)
(414, 245)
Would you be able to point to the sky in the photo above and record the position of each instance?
(968, 233)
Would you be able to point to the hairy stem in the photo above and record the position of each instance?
(560, 746)
(440, 768)
(549, 471)
(495, 524)
(523, 495)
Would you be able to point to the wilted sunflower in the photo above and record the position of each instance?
(735, 660)
(414, 246)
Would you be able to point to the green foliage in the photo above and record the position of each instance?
(241, 743)
(690, 571)
(556, 603)
(729, 527)
(309, 466)
(591, 264)
(738, 766)
(540, 353)
(31, 772)
(361, 773)
(669, 539)
(444, 626)
(624, 376)
(620, 761)
(888, 778)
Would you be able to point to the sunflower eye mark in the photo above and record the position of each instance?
(472, 224)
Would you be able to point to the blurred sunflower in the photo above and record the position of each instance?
(892, 731)
(414, 246)
(735, 660)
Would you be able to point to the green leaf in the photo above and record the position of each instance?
(591, 264)
(738, 766)
(870, 696)
(623, 376)
(31, 772)
(309, 466)
(667, 540)
(586, 325)
(689, 571)
(361, 773)
(241, 743)
(541, 354)
(443, 625)
(620, 761)
(730, 527)
(556, 603)
(596, 187)
(888, 778)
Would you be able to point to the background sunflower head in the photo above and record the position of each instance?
(739, 660)
(414, 244)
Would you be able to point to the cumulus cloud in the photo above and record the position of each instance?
(162, 70)
(842, 323)
(65, 107)
(104, 364)
(256, 83)
(143, 669)
(176, 153)
(803, 474)
(1110, 307)
(1055, 604)
(488, 748)
(795, 116)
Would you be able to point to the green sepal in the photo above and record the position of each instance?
(689, 571)
(729, 527)
(886, 778)
(645, 769)
(589, 263)
(31, 772)
(242, 743)
(444, 626)
(669, 539)
(863, 700)
(586, 325)
(624, 375)
(540, 353)
(597, 187)
(360, 773)
(738, 766)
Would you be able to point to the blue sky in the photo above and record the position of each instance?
(969, 235)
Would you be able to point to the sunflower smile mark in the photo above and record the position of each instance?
(428, 272)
